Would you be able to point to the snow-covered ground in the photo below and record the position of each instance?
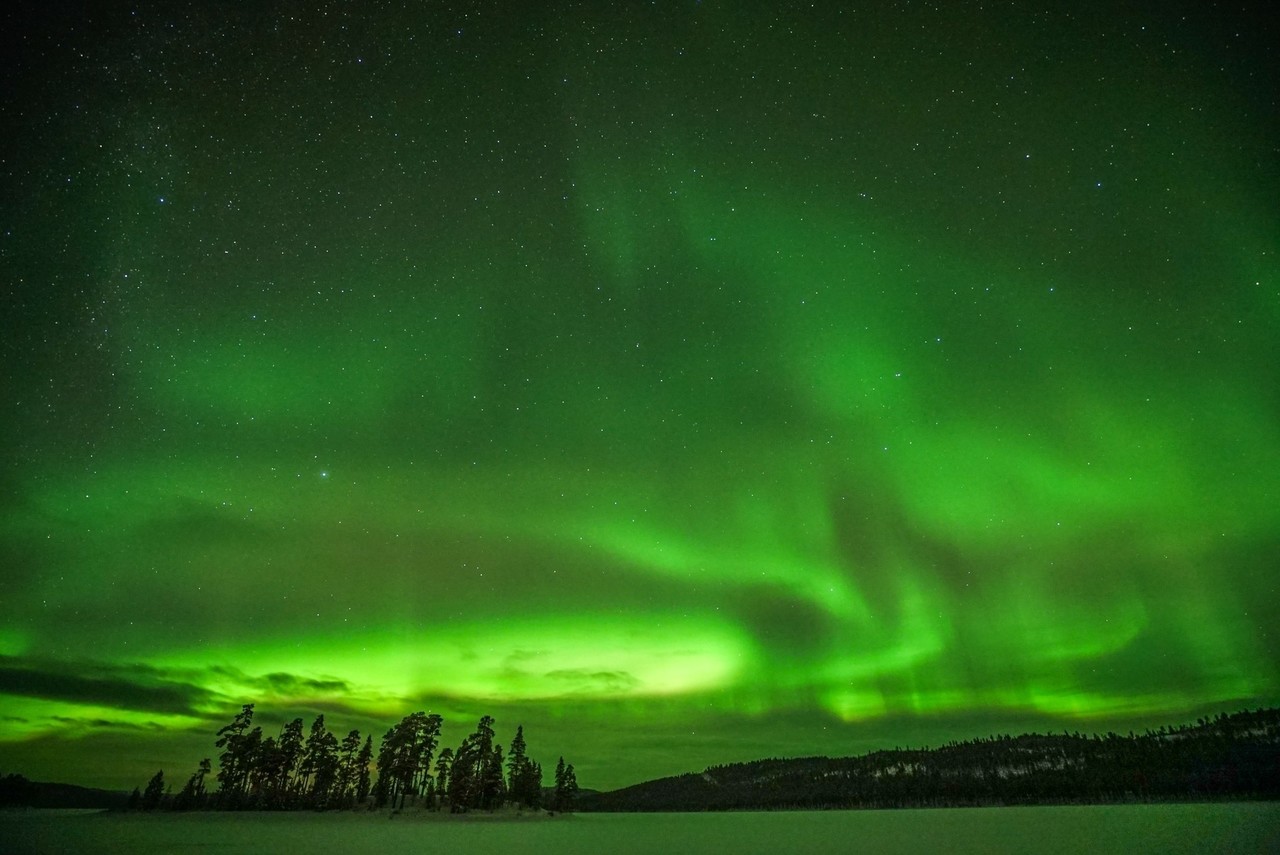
(1219, 828)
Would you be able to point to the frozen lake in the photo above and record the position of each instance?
(1199, 828)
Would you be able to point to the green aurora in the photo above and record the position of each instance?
(685, 383)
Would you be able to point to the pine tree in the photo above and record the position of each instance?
(290, 747)
(319, 764)
(492, 787)
(524, 776)
(404, 760)
(386, 759)
(250, 749)
(191, 796)
(348, 768)
(443, 765)
(428, 738)
(264, 771)
(570, 787)
(362, 771)
(202, 771)
(483, 738)
(154, 792)
(326, 776)
(557, 800)
(233, 762)
(566, 791)
(473, 780)
(462, 776)
(515, 761)
(534, 785)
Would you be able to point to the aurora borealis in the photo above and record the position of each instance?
(687, 382)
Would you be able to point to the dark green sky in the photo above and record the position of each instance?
(689, 382)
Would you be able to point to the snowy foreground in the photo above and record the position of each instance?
(1190, 828)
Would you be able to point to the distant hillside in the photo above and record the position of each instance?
(1231, 756)
(17, 791)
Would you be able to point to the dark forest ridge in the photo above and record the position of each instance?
(1228, 757)
(17, 791)
(1234, 756)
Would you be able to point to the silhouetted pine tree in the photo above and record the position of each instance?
(516, 758)
(557, 798)
(263, 772)
(426, 739)
(154, 793)
(404, 760)
(233, 762)
(290, 747)
(362, 771)
(192, 795)
(319, 764)
(474, 781)
(344, 790)
(251, 783)
(566, 791)
(524, 777)
(443, 764)
(533, 784)
(570, 787)
(386, 758)
(462, 776)
(492, 786)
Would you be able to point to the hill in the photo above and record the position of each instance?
(1229, 757)
(17, 791)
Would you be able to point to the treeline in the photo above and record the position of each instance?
(319, 772)
(1227, 757)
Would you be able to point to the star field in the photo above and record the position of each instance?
(686, 383)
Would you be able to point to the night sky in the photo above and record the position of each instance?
(689, 382)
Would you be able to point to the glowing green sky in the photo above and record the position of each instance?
(687, 382)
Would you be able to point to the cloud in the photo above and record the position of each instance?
(597, 682)
(104, 724)
(128, 687)
(291, 683)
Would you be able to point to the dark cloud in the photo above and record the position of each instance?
(281, 682)
(120, 686)
(583, 680)
(101, 723)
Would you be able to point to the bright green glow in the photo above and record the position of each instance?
(643, 391)
(303, 370)
(599, 657)
(12, 642)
